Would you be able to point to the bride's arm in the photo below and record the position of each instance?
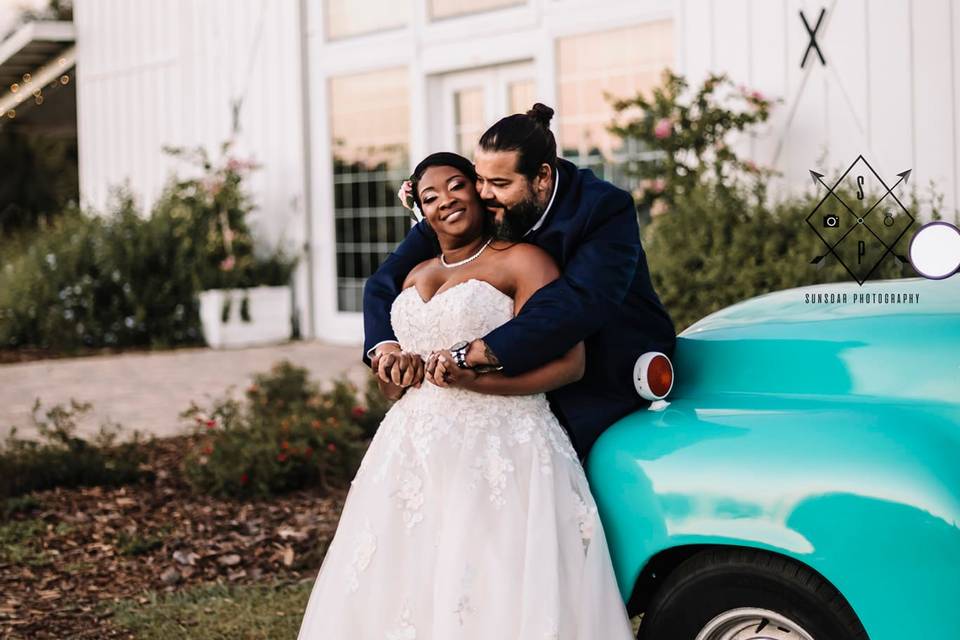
(553, 375)
(534, 268)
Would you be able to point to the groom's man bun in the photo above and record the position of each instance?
(542, 114)
(529, 135)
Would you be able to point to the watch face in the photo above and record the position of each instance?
(459, 345)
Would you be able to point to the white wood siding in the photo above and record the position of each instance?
(163, 73)
(889, 90)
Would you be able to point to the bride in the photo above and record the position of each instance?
(470, 516)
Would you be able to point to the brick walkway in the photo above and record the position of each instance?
(147, 391)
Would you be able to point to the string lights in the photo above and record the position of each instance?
(38, 97)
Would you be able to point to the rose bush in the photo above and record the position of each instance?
(286, 434)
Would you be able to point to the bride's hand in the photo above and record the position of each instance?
(406, 194)
(442, 370)
(400, 368)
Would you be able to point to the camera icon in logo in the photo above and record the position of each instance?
(831, 221)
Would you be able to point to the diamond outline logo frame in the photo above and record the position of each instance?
(888, 191)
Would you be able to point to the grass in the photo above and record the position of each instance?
(19, 542)
(10, 507)
(134, 544)
(254, 612)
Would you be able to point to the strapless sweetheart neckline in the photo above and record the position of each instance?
(451, 288)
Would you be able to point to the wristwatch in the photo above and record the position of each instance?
(459, 353)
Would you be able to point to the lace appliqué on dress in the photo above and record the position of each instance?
(492, 466)
(410, 498)
(404, 629)
(464, 605)
(362, 555)
(586, 520)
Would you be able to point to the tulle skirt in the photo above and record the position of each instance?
(470, 519)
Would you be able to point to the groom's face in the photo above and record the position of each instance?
(515, 201)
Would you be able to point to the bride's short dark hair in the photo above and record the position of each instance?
(441, 159)
(529, 135)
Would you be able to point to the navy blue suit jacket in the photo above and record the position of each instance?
(604, 297)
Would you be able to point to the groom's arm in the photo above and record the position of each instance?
(383, 286)
(591, 288)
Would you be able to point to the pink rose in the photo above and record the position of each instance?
(663, 129)
(228, 263)
(236, 164)
(756, 95)
(213, 186)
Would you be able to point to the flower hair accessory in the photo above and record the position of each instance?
(406, 198)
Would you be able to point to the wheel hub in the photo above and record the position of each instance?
(749, 623)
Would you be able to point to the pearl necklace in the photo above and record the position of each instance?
(450, 265)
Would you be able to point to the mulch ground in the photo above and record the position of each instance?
(94, 546)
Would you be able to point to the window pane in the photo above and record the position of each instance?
(468, 119)
(450, 8)
(370, 116)
(620, 62)
(350, 18)
(520, 95)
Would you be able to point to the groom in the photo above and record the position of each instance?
(603, 297)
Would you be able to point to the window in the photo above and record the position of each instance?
(520, 95)
(370, 116)
(469, 121)
(350, 18)
(451, 8)
(621, 62)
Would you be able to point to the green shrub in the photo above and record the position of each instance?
(126, 280)
(286, 434)
(209, 216)
(720, 245)
(39, 177)
(713, 235)
(87, 281)
(690, 131)
(62, 459)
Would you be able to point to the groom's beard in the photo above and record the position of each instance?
(517, 220)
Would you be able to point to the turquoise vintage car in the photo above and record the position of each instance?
(803, 480)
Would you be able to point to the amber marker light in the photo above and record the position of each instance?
(653, 375)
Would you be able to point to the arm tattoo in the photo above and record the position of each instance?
(490, 355)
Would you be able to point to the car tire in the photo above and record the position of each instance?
(747, 594)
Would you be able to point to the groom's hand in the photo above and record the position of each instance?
(397, 367)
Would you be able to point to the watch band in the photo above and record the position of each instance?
(459, 353)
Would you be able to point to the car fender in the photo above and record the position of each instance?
(865, 492)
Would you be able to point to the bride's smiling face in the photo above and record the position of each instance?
(450, 203)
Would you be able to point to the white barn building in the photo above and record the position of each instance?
(337, 99)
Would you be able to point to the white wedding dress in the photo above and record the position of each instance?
(470, 517)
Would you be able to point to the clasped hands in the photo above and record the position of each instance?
(403, 369)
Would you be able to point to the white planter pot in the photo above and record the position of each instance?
(269, 310)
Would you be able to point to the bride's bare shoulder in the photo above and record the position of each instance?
(528, 262)
(419, 271)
